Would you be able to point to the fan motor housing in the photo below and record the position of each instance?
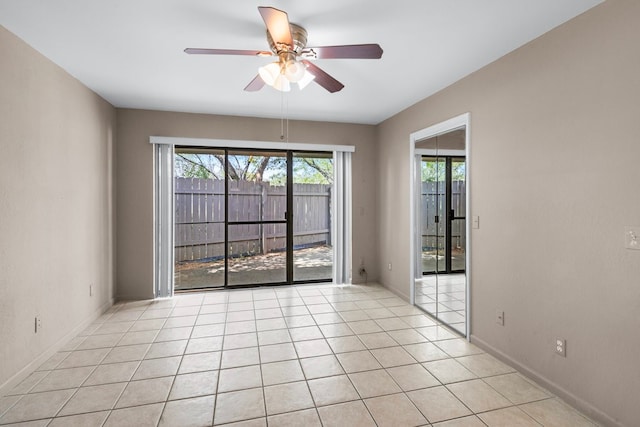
(299, 36)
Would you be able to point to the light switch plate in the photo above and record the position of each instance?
(475, 221)
(632, 238)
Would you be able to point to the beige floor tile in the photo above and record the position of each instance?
(305, 333)
(516, 388)
(471, 421)
(80, 358)
(478, 395)
(202, 331)
(425, 352)
(240, 357)
(407, 336)
(336, 330)
(377, 340)
(179, 322)
(154, 368)
(413, 377)
(159, 313)
(354, 316)
(174, 334)
(113, 327)
(166, 349)
(63, 378)
(28, 383)
(394, 410)
(307, 418)
(345, 344)
(145, 391)
(271, 324)
(358, 361)
(418, 321)
(448, 371)
(392, 324)
(364, 327)
(240, 341)
(352, 414)
(281, 372)
(239, 405)
(147, 325)
(239, 378)
(194, 385)
(554, 413)
(327, 391)
(93, 398)
(36, 406)
(392, 356)
(100, 341)
(200, 362)
(299, 321)
(329, 319)
(240, 316)
(278, 336)
(437, 333)
(93, 419)
(374, 383)
(211, 319)
(312, 348)
(7, 402)
(321, 366)
(138, 337)
(458, 347)
(508, 417)
(127, 353)
(287, 398)
(194, 412)
(137, 416)
(484, 365)
(204, 345)
(240, 327)
(277, 352)
(438, 404)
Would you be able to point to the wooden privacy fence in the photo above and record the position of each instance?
(200, 217)
(432, 204)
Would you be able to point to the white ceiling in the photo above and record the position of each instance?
(131, 51)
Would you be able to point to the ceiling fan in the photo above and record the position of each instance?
(289, 43)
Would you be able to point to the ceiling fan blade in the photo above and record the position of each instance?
(198, 51)
(323, 79)
(255, 85)
(277, 23)
(354, 51)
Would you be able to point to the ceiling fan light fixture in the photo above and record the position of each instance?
(270, 73)
(294, 71)
(282, 83)
(306, 79)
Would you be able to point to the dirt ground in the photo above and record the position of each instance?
(309, 264)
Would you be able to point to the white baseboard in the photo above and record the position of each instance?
(16, 379)
(570, 398)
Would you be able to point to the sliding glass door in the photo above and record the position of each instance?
(251, 217)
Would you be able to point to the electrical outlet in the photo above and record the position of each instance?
(561, 347)
(390, 267)
(37, 324)
(362, 271)
(500, 317)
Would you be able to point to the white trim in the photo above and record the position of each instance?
(461, 121)
(234, 143)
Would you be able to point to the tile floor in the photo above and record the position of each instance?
(307, 356)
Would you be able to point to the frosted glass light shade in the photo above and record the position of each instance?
(269, 73)
(306, 79)
(282, 84)
(294, 71)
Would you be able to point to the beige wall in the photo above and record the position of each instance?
(56, 221)
(555, 155)
(135, 179)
